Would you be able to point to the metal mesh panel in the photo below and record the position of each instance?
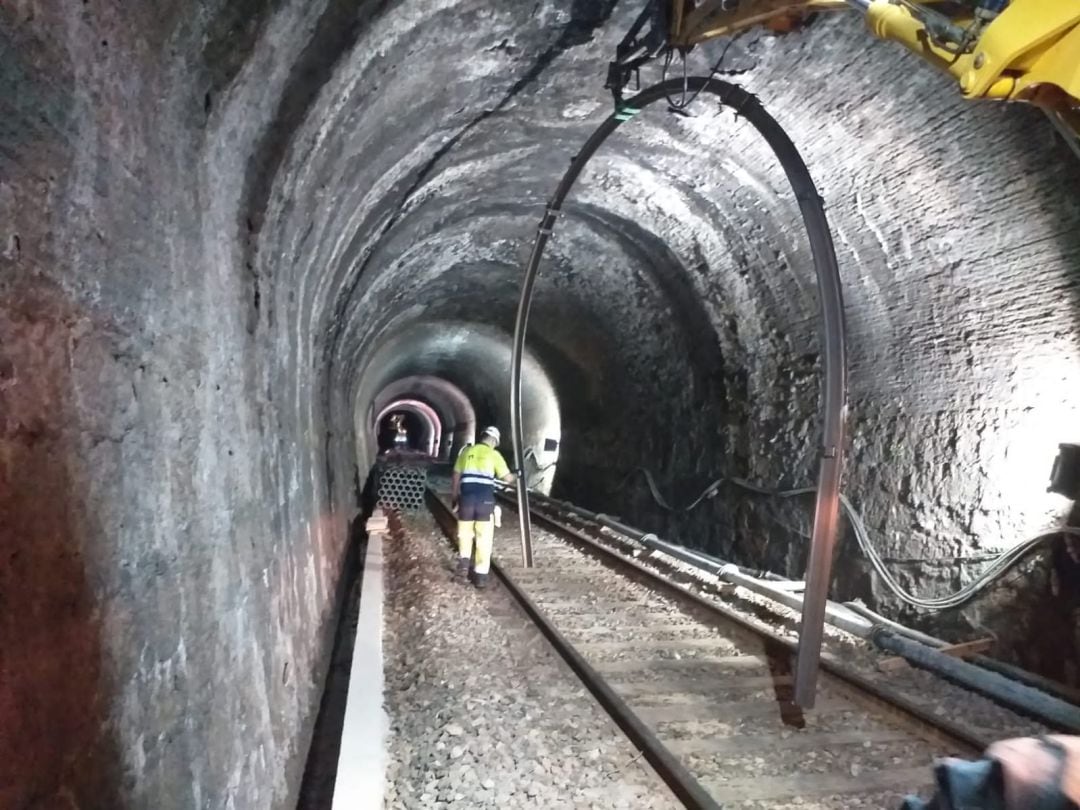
(401, 487)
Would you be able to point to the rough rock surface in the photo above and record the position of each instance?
(483, 713)
(224, 226)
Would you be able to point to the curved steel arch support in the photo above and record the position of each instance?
(834, 351)
(421, 409)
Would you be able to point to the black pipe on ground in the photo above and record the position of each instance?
(1029, 701)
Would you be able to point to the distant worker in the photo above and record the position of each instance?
(401, 434)
(473, 490)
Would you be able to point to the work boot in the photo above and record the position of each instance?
(480, 581)
(462, 570)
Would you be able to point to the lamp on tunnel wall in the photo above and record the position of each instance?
(834, 351)
(1065, 474)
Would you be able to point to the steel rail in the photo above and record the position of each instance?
(666, 764)
(954, 734)
(833, 343)
(1006, 688)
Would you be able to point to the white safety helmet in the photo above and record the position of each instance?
(493, 432)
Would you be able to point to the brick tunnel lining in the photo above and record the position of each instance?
(202, 254)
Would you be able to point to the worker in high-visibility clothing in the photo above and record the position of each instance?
(473, 490)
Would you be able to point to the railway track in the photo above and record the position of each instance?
(707, 697)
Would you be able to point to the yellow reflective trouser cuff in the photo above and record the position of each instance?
(485, 539)
(465, 533)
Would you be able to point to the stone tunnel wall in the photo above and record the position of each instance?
(172, 526)
(213, 216)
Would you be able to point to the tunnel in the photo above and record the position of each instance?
(411, 424)
(236, 235)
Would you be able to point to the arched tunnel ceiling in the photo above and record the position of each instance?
(224, 226)
(677, 303)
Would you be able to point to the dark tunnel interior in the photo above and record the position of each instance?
(416, 430)
(237, 237)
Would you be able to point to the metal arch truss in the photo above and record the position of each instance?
(833, 342)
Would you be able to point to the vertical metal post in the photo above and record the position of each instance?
(524, 523)
(521, 325)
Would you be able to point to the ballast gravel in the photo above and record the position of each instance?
(979, 715)
(483, 713)
(691, 700)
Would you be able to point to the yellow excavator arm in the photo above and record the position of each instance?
(1009, 50)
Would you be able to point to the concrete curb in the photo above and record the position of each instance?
(361, 770)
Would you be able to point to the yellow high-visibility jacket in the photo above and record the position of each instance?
(481, 464)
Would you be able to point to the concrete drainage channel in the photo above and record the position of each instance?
(346, 760)
(362, 757)
(706, 694)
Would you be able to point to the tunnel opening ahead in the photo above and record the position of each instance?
(409, 425)
(458, 371)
